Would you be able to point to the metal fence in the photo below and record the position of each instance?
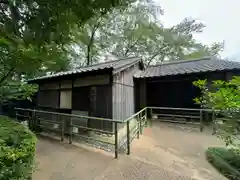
(198, 117)
(70, 126)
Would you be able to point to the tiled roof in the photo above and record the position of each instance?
(206, 64)
(116, 66)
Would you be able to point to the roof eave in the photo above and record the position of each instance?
(67, 75)
(115, 71)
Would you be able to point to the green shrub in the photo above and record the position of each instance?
(225, 161)
(17, 150)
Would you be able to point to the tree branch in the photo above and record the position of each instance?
(95, 27)
(150, 59)
(129, 48)
(6, 75)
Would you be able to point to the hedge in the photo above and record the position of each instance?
(17, 150)
(225, 161)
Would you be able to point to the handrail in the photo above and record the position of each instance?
(191, 109)
(71, 115)
(184, 109)
(137, 113)
(141, 116)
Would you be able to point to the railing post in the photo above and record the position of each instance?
(62, 128)
(70, 131)
(34, 120)
(146, 121)
(128, 138)
(138, 124)
(116, 139)
(151, 116)
(16, 114)
(150, 113)
(30, 120)
(214, 123)
(38, 122)
(201, 121)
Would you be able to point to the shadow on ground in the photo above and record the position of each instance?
(162, 153)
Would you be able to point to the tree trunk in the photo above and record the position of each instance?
(89, 55)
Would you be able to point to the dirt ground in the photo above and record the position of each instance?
(163, 152)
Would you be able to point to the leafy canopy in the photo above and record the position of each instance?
(226, 100)
(33, 36)
(138, 31)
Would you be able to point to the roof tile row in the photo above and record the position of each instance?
(206, 64)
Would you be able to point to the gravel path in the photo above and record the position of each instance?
(162, 153)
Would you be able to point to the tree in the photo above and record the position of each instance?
(225, 100)
(138, 31)
(201, 50)
(38, 21)
(34, 36)
(84, 40)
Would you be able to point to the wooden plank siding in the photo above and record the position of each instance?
(123, 93)
(49, 98)
(92, 80)
(102, 107)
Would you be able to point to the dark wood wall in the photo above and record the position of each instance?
(91, 95)
(174, 91)
(179, 94)
(140, 97)
(101, 106)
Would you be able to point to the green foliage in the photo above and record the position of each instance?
(38, 21)
(17, 150)
(225, 161)
(201, 50)
(34, 35)
(138, 31)
(15, 90)
(225, 98)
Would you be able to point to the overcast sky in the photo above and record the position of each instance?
(221, 17)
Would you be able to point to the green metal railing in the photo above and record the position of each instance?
(184, 115)
(39, 124)
(141, 119)
(123, 132)
(202, 116)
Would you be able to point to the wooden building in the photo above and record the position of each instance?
(118, 89)
(170, 84)
(103, 90)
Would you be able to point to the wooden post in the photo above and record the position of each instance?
(138, 124)
(116, 139)
(128, 137)
(201, 123)
(70, 131)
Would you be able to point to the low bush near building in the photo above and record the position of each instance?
(17, 150)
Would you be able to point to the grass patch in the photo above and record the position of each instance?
(225, 161)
